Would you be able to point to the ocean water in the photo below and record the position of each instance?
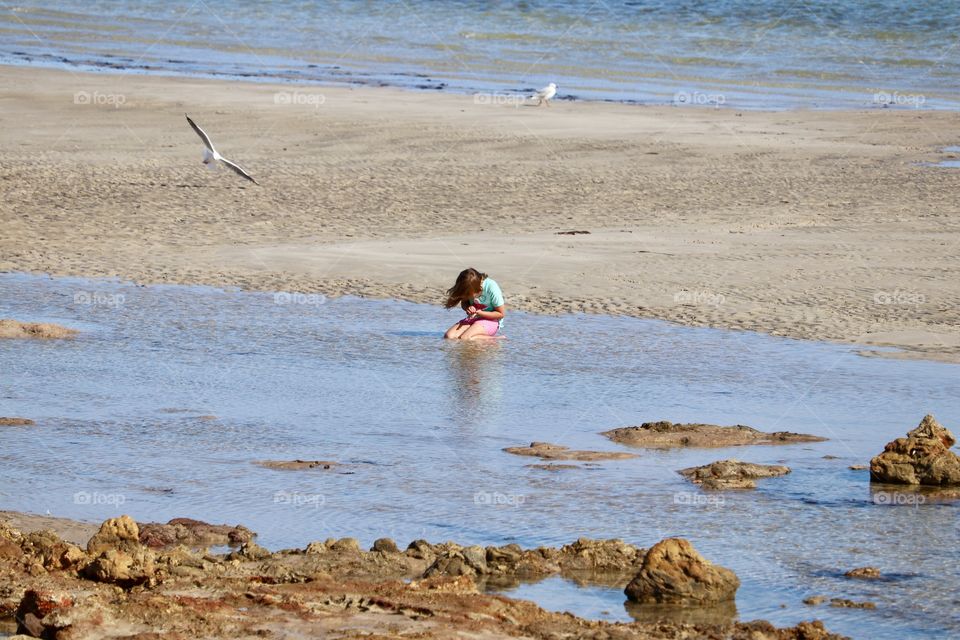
(165, 402)
(731, 53)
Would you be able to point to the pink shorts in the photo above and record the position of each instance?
(490, 327)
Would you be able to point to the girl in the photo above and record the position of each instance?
(481, 298)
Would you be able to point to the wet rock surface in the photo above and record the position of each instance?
(547, 451)
(16, 422)
(673, 572)
(296, 465)
(923, 457)
(668, 434)
(864, 573)
(331, 589)
(17, 329)
(732, 474)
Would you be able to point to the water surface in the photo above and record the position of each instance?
(161, 407)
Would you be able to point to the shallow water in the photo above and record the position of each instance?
(124, 426)
(742, 53)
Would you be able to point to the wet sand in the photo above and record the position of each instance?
(816, 225)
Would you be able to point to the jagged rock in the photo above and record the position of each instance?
(863, 573)
(673, 572)
(923, 457)
(118, 556)
(471, 561)
(36, 611)
(192, 533)
(547, 451)
(52, 552)
(814, 600)
(732, 474)
(607, 556)
(249, 551)
(667, 434)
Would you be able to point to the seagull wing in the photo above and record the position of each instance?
(202, 134)
(238, 170)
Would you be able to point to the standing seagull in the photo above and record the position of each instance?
(211, 157)
(545, 95)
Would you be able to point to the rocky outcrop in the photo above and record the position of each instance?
(547, 451)
(117, 555)
(674, 573)
(923, 457)
(667, 434)
(17, 329)
(732, 474)
(334, 591)
(192, 533)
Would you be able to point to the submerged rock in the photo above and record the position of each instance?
(732, 474)
(668, 434)
(17, 329)
(16, 422)
(674, 573)
(923, 457)
(863, 573)
(547, 451)
(298, 464)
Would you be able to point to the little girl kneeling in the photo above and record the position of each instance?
(480, 296)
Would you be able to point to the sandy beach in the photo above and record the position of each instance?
(810, 224)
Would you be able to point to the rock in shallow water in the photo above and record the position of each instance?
(17, 329)
(732, 474)
(547, 451)
(668, 434)
(923, 457)
(674, 573)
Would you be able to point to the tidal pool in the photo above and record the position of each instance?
(170, 395)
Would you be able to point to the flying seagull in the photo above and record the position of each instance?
(211, 158)
(545, 95)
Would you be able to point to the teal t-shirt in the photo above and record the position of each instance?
(491, 296)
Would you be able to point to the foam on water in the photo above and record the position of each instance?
(125, 425)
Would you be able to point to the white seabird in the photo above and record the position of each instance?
(212, 159)
(545, 95)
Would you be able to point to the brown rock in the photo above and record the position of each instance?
(814, 600)
(296, 465)
(547, 451)
(843, 603)
(863, 573)
(667, 434)
(36, 610)
(385, 545)
(673, 572)
(121, 532)
(16, 422)
(119, 558)
(192, 533)
(923, 457)
(858, 467)
(732, 474)
(16, 329)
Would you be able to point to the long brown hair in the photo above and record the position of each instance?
(469, 284)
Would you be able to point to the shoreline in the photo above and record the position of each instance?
(815, 225)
